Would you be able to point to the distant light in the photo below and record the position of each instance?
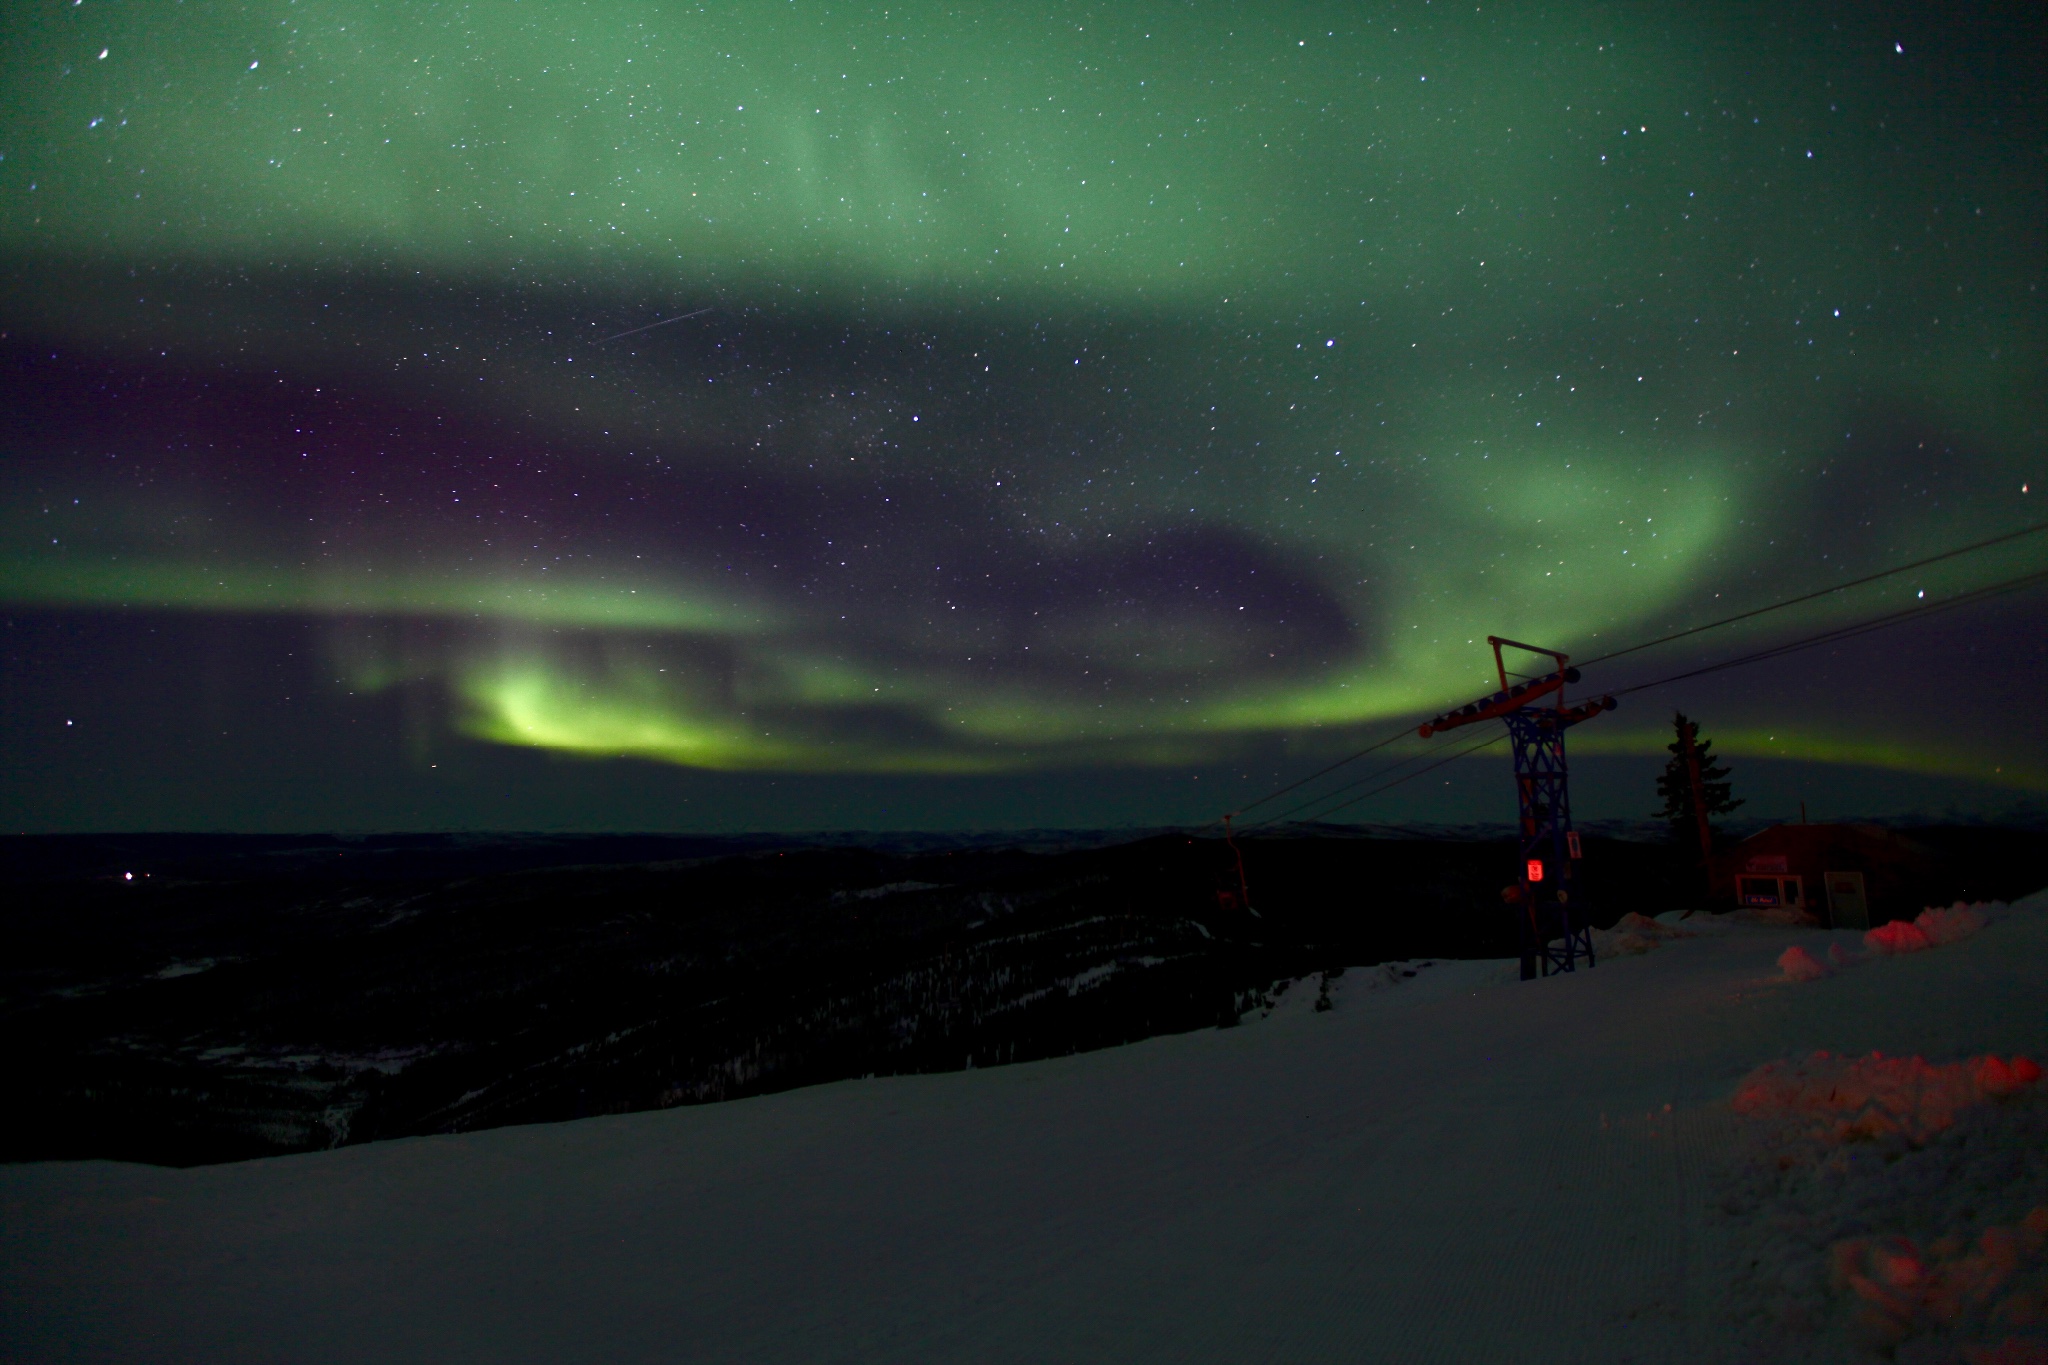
(252, 66)
(1899, 48)
(1331, 342)
(1921, 593)
(127, 876)
(103, 53)
(1535, 869)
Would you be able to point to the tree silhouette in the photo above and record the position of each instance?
(1675, 786)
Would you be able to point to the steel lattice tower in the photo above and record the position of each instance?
(1551, 918)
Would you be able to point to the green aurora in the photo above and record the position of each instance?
(1119, 386)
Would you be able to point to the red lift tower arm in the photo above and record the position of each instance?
(1520, 694)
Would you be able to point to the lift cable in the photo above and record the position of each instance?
(1823, 592)
(1469, 749)
(1375, 775)
(1320, 772)
(1850, 631)
(1396, 735)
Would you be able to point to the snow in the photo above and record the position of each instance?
(1864, 1099)
(1931, 928)
(1899, 936)
(192, 968)
(1893, 1205)
(1634, 933)
(1957, 922)
(1448, 1166)
(1800, 965)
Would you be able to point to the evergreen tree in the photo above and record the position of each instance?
(1675, 786)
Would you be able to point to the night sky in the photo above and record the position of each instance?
(781, 415)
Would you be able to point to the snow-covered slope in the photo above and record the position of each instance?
(1452, 1166)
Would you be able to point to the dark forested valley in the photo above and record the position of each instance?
(190, 999)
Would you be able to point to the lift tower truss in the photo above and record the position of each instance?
(1551, 917)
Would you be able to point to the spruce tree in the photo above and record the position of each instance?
(1675, 786)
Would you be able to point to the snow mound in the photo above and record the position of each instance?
(1777, 916)
(1892, 1207)
(1800, 965)
(1859, 1099)
(1902, 1291)
(1932, 928)
(1634, 933)
(1898, 937)
(1959, 921)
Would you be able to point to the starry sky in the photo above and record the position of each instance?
(795, 414)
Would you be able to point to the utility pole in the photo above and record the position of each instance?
(1244, 890)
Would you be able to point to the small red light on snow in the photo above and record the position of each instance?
(1535, 869)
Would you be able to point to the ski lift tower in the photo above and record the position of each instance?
(1550, 917)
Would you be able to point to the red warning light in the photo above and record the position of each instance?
(1535, 869)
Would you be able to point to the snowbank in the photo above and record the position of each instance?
(1931, 928)
(1898, 1203)
(1800, 965)
(1633, 934)
(1862, 1098)
(1993, 1291)
(1957, 922)
(1899, 936)
(1777, 916)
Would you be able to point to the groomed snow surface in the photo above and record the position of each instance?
(1689, 1154)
